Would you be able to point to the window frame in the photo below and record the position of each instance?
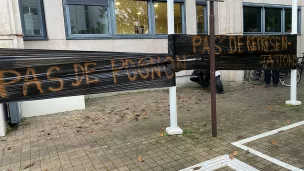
(112, 24)
(84, 36)
(282, 20)
(183, 16)
(206, 28)
(135, 36)
(262, 23)
(299, 19)
(42, 24)
(263, 19)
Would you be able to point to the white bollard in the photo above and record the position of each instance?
(3, 123)
(173, 129)
(293, 90)
(293, 82)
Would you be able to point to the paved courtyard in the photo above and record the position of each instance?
(126, 132)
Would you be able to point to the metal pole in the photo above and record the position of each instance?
(212, 70)
(293, 81)
(173, 129)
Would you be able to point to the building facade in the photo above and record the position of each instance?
(140, 26)
(135, 26)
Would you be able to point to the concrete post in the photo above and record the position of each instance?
(10, 37)
(173, 129)
(293, 82)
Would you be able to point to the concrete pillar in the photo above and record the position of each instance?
(191, 16)
(229, 17)
(229, 21)
(10, 37)
(173, 129)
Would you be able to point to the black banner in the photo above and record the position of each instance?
(236, 52)
(27, 74)
(39, 74)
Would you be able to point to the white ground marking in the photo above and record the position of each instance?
(241, 145)
(221, 162)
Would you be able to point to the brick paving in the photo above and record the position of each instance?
(114, 131)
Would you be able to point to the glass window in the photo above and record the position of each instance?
(131, 17)
(200, 14)
(32, 20)
(287, 27)
(160, 11)
(299, 21)
(288, 23)
(273, 20)
(252, 19)
(121, 18)
(86, 19)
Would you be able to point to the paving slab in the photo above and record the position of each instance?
(127, 132)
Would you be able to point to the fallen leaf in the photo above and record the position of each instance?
(197, 168)
(239, 137)
(235, 153)
(288, 121)
(24, 123)
(231, 156)
(96, 118)
(162, 134)
(140, 159)
(270, 109)
(45, 170)
(274, 142)
(91, 131)
(29, 166)
(87, 117)
(136, 118)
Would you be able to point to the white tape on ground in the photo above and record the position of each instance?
(241, 145)
(221, 162)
